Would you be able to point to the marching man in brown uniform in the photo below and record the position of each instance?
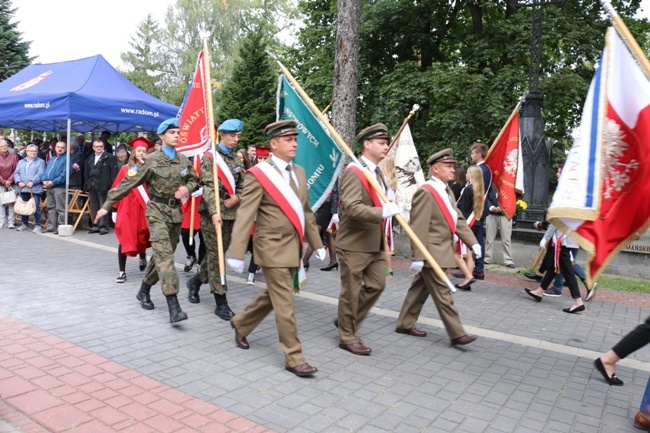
(435, 219)
(275, 191)
(360, 239)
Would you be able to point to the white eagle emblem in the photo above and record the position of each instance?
(618, 173)
(510, 164)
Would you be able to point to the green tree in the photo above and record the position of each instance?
(144, 62)
(14, 52)
(250, 93)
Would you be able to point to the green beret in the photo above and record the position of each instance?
(378, 130)
(444, 155)
(280, 129)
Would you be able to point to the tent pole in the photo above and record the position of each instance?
(67, 171)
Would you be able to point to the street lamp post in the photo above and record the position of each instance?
(536, 150)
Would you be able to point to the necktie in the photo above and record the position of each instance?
(380, 179)
(292, 184)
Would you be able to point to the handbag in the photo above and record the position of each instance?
(8, 196)
(26, 208)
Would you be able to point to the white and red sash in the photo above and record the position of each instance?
(364, 181)
(557, 245)
(223, 171)
(449, 213)
(287, 200)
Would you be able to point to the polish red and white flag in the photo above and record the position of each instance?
(603, 196)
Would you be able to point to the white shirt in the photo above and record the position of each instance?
(282, 166)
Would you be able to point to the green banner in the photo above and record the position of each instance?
(317, 153)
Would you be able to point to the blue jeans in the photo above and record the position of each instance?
(577, 269)
(37, 216)
(645, 403)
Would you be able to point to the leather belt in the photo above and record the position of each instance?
(167, 201)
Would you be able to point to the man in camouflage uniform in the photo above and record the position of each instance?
(170, 178)
(229, 203)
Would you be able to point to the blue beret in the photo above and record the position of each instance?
(231, 125)
(167, 124)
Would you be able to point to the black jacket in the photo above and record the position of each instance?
(100, 176)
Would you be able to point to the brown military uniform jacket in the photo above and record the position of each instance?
(430, 226)
(360, 226)
(276, 242)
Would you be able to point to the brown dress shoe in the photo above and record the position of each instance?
(302, 370)
(412, 331)
(479, 275)
(357, 348)
(241, 341)
(461, 341)
(642, 421)
(457, 274)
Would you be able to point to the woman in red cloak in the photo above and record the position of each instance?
(131, 226)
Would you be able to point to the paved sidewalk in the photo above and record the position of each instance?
(78, 354)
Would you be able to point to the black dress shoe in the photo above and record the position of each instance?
(534, 296)
(103, 231)
(467, 286)
(612, 380)
(302, 370)
(241, 341)
(465, 339)
(412, 331)
(357, 348)
(533, 276)
(330, 267)
(94, 230)
(336, 323)
(574, 310)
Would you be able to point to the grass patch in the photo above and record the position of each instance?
(623, 285)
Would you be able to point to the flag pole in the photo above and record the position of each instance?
(627, 37)
(215, 175)
(505, 125)
(371, 179)
(415, 108)
(326, 109)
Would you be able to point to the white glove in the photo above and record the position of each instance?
(198, 192)
(320, 253)
(389, 209)
(477, 250)
(542, 243)
(114, 217)
(335, 219)
(236, 265)
(416, 266)
(455, 238)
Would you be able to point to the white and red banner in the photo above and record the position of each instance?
(603, 196)
(408, 170)
(505, 160)
(193, 118)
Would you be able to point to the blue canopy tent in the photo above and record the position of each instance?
(88, 93)
(85, 95)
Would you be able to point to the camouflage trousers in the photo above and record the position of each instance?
(164, 238)
(209, 271)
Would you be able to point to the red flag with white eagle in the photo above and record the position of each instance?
(193, 119)
(603, 196)
(504, 159)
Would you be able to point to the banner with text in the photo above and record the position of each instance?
(317, 153)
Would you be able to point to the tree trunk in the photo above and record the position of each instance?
(346, 71)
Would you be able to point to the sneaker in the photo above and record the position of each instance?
(552, 293)
(189, 263)
(11, 226)
(22, 228)
(37, 229)
(121, 278)
(251, 279)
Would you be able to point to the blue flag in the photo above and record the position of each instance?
(317, 153)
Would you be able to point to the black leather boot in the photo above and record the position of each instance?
(193, 285)
(223, 310)
(143, 297)
(175, 312)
